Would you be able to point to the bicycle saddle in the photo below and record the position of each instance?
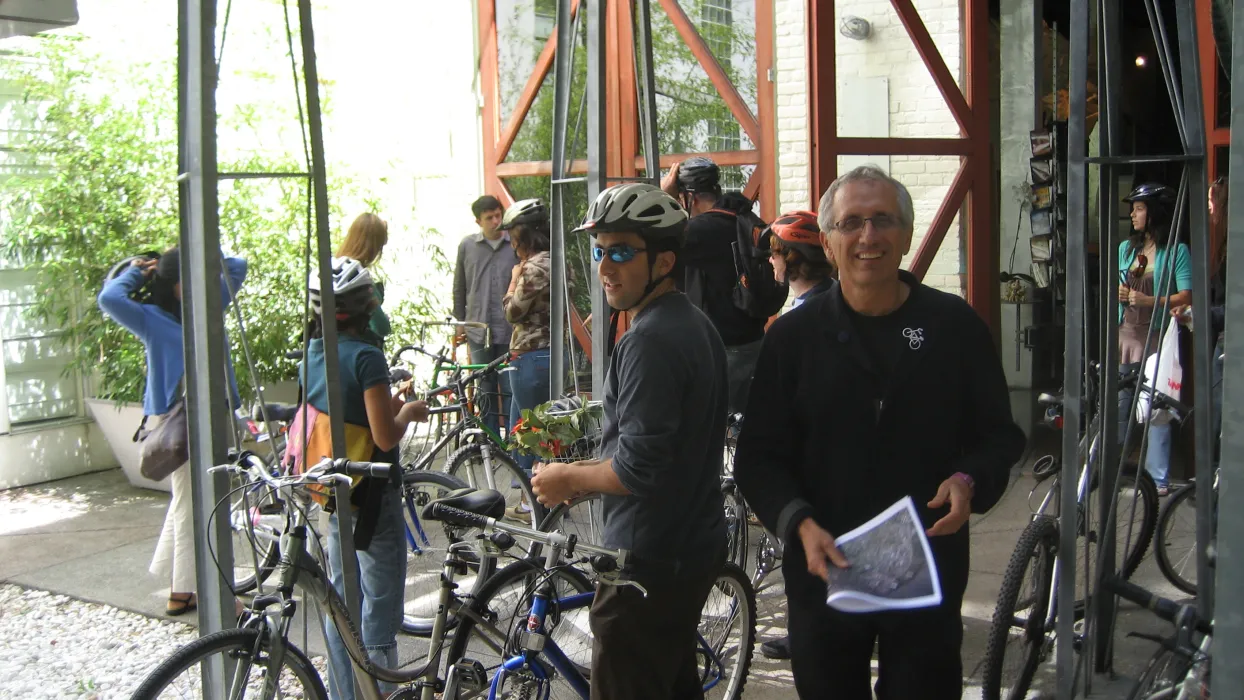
(283, 412)
(485, 502)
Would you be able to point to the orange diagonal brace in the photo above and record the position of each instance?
(742, 113)
(544, 62)
(941, 221)
(581, 334)
(933, 61)
(754, 181)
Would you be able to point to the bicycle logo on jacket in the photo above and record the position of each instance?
(914, 336)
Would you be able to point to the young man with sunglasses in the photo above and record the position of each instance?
(877, 389)
(665, 422)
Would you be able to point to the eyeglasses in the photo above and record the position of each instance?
(855, 224)
(620, 253)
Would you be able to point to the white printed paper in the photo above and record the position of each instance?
(891, 565)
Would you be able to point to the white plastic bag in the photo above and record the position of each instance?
(1166, 378)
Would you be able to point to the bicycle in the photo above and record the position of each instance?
(527, 654)
(1180, 669)
(1175, 547)
(1028, 615)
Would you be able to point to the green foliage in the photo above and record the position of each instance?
(95, 182)
(548, 436)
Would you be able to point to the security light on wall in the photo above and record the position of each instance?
(857, 28)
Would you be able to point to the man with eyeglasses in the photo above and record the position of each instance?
(877, 389)
(665, 423)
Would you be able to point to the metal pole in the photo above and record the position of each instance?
(1108, 314)
(563, 73)
(1202, 336)
(647, 93)
(319, 189)
(203, 324)
(1073, 363)
(1228, 678)
(596, 150)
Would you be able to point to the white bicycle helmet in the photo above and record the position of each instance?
(525, 211)
(352, 287)
(637, 207)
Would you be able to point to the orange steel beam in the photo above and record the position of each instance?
(628, 96)
(941, 221)
(823, 98)
(720, 80)
(613, 111)
(766, 170)
(983, 246)
(1208, 52)
(544, 62)
(490, 89)
(933, 62)
(524, 168)
(752, 188)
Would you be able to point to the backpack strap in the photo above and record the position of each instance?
(141, 432)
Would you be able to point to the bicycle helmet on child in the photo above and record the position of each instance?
(799, 230)
(699, 174)
(530, 212)
(353, 288)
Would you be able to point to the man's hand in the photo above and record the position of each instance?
(669, 183)
(553, 483)
(820, 549)
(959, 495)
(1182, 314)
(147, 265)
(1135, 298)
(460, 336)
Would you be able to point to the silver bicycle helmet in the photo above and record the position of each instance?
(637, 207)
(352, 287)
(525, 211)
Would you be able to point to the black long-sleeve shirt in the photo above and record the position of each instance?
(710, 278)
(840, 424)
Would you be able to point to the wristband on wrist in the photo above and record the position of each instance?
(967, 479)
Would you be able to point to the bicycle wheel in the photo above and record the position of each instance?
(1163, 676)
(245, 657)
(1143, 519)
(1020, 616)
(504, 602)
(580, 518)
(256, 519)
(1175, 547)
(427, 544)
(736, 527)
(728, 635)
(501, 473)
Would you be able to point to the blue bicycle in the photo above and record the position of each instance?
(526, 634)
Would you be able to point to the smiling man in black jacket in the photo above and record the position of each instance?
(877, 389)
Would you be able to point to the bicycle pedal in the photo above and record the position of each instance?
(467, 675)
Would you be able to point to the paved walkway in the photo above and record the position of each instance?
(91, 537)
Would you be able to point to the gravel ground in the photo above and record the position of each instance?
(53, 646)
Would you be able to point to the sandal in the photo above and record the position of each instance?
(1164, 491)
(180, 606)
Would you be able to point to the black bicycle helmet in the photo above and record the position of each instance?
(526, 211)
(353, 288)
(699, 174)
(1157, 198)
(637, 207)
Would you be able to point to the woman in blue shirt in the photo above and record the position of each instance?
(1153, 278)
(157, 323)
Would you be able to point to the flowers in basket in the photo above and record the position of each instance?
(556, 429)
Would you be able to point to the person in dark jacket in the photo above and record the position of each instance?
(877, 389)
(708, 259)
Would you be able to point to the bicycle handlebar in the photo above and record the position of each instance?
(325, 470)
(487, 369)
(1166, 609)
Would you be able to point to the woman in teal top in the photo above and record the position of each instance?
(1153, 278)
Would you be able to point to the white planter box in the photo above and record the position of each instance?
(118, 421)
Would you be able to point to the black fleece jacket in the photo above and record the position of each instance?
(816, 442)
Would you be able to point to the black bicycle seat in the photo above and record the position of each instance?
(485, 502)
(283, 412)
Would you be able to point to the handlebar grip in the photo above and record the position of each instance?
(603, 564)
(456, 516)
(1166, 609)
(379, 470)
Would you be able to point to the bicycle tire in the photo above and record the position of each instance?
(1164, 672)
(238, 643)
(583, 526)
(745, 594)
(1039, 543)
(736, 527)
(1171, 569)
(485, 605)
(507, 476)
(427, 564)
(1148, 495)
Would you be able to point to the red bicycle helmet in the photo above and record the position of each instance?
(799, 230)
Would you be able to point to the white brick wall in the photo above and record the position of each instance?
(916, 108)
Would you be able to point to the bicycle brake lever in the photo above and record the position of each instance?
(613, 581)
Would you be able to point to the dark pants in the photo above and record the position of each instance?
(740, 366)
(831, 652)
(646, 647)
(488, 390)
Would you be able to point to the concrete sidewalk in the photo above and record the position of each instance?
(91, 537)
